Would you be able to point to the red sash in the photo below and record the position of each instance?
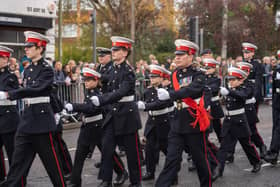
(201, 115)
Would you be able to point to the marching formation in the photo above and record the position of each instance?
(183, 108)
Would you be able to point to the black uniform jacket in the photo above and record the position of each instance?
(192, 84)
(125, 115)
(9, 116)
(159, 122)
(276, 89)
(214, 83)
(90, 131)
(250, 109)
(256, 76)
(237, 124)
(38, 80)
(106, 73)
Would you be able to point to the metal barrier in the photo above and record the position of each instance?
(74, 93)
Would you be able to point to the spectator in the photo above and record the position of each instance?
(238, 59)
(58, 73)
(12, 64)
(153, 59)
(168, 63)
(67, 74)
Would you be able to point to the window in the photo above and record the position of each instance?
(69, 31)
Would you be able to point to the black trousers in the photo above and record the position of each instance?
(197, 146)
(226, 146)
(131, 145)
(217, 126)
(26, 147)
(84, 146)
(2, 163)
(63, 153)
(154, 145)
(275, 141)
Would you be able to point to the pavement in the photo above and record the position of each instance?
(236, 174)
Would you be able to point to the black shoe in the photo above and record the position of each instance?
(89, 155)
(135, 185)
(121, 153)
(105, 184)
(192, 166)
(120, 179)
(229, 159)
(3, 183)
(217, 172)
(70, 184)
(148, 176)
(263, 151)
(271, 158)
(175, 182)
(67, 177)
(257, 167)
(97, 165)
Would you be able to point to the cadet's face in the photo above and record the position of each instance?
(91, 83)
(183, 60)
(210, 71)
(155, 80)
(248, 56)
(119, 55)
(33, 52)
(233, 83)
(104, 59)
(3, 61)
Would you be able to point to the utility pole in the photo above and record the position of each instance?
(224, 29)
(93, 21)
(132, 29)
(60, 31)
(196, 30)
(201, 40)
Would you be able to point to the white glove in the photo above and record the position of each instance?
(141, 105)
(277, 76)
(254, 100)
(95, 100)
(57, 118)
(163, 94)
(69, 107)
(3, 95)
(224, 91)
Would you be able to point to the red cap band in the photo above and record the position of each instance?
(90, 75)
(121, 44)
(5, 54)
(249, 49)
(235, 74)
(191, 51)
(210, 64)
(39, 42)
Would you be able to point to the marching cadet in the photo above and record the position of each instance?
(123, 120)
(250, 110)
(275, 140)
(256, 73)
(105, 69)
(187, 128)
(157, 126)
(37, 124)
(235, 124)
(9, 116)
(214, 83)
(61, 148)
(91, 131)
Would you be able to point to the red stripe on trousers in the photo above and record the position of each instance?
(64, 156)
(3, 162)
(139, 164)
(205, 150)
(56, 160)
(250, 143)
(22, 184)
(118, 163)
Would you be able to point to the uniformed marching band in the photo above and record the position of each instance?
(183, 107)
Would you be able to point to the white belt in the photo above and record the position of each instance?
(159, 112)
(184, 105)
(216, 98)
(36, 100)
(170, 109)
(127, 98)
(250, 101)
(7, 103)
(252, 80)
(93, 118)
(235, 112)
(277, 90)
